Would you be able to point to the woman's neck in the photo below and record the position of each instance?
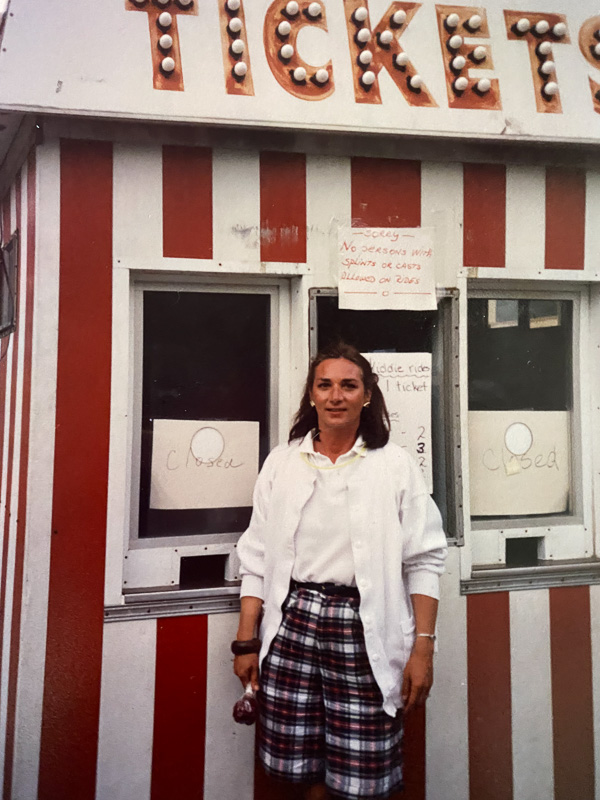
(333, 444)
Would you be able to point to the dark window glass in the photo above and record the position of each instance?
(8, 286)
(205, 357)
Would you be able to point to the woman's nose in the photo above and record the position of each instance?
(336, 393)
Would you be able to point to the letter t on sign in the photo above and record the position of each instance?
(164, 39)
(541, 32)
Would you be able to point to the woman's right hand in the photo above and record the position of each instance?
(246, 668)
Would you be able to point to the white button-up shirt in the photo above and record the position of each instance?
(397, 540)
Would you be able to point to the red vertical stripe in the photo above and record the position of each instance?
(22, 478)
(488, 666)
(12, 412)
(572, 700)
(187, 202)
(565, 218)
(283, 207)
(76, 589)
(4, 342)
(180, 709)
(484, 215)
(386, 193)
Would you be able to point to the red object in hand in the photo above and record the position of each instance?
(245, 710)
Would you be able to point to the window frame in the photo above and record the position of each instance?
(145, 559)
(565, 538)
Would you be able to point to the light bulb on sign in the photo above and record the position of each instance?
(235, 25)
(452, 20)
(292, 8)
(365, 57)
(550, 89)
(386, 37)
(479, 53)
(597, 50)
(240, 69)
(523, 25)
(284, 28)
(238, 46)
(165, 42)
(185, 3)
(416, 82)
(541, 27)
(368, 79)
(455, 42)
(399, 17)
(165, 20)
(234, 5)
(363, 36)
(361, 14)
(559, 30)
(458, 63)
(167, 64)
(460, 84)
(544, 48)
(402, 59)
(321, 76)
(314, 10)
(286, 52)
(474, 22)
(484, 85)
(299, 74)
(547, 67)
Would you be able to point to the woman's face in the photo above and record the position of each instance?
(338, 392)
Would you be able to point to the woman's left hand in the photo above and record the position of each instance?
(418, 675)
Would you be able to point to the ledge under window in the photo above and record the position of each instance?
(542, 576)
(175, 603)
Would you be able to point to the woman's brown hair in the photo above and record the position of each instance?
(374, 424)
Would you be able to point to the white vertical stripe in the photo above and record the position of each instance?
(595, 633)
(592, 229)
(525, 221)
(137, 203)
(328, 207)
(236, 205)
(531, 688)
(118, 514)
(126, 711)
(229, 753)
(442, 210)
(447, 736)
(40, 475)
(13, 466)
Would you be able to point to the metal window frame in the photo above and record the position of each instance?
(452, 468)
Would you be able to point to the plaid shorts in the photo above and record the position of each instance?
(320, 708)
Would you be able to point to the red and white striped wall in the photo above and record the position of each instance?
(142, 709)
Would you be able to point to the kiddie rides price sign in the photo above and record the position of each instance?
(386, 268)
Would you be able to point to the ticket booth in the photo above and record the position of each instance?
(197, 195)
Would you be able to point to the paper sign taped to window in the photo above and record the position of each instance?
(405, 380)
(203, 464)
(386, 268)
(519, 462)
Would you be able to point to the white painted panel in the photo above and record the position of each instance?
(40, 476)
(595, 624)
(531, 695)
(236, 205)
(447, 755)
(126, 711)
(119, 464)
(328, 207)
(525, 221)
(137, 202)
(229, 755)
(442, 209)
(592, 229)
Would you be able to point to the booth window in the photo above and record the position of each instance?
(8, 286)
(530, 500)
(415, 354)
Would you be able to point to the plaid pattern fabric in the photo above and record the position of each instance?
(320, 707)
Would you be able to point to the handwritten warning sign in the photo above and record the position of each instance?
(203, 464)
(386, 268)
(405, 381)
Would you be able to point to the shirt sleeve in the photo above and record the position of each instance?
(424, 547)
(251, 545)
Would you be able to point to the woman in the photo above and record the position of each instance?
(342, 556)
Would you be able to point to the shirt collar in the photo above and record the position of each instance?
(307, 445)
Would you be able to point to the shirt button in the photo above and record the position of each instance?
(375, 656)
(364, 584)
(367, 620)
(358, 543)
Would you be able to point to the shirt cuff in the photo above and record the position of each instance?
(422, 582)
(252, 586)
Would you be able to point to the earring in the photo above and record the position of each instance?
(367, 404)
(312, 402)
